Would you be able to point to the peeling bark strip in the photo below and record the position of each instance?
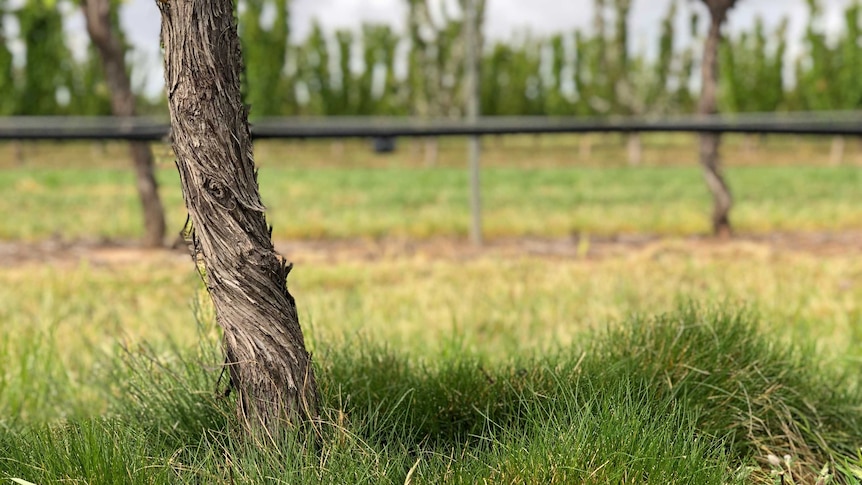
(709, 142)
(97, 14)
(264, 347)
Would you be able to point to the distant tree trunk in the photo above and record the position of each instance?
(836, 154)
(749, 144)
(337, 150)
(635, 149)
(709, 142)
(585, 151)
(473, 95)
(537, 141)
(97, 14)
(432, 152)
(99, 148)
(269, 366)
(18, 150)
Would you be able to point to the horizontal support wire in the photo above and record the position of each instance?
(152, 129)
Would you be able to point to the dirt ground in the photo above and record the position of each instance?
(111, 253)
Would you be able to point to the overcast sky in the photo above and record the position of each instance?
(505, 18)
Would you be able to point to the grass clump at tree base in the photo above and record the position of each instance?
(688, 397)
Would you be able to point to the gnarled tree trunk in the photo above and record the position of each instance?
(97, 14)
(709, 142)
(264, 348)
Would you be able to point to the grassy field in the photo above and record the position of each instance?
(405, 202)
(673, 361)
(531, 186)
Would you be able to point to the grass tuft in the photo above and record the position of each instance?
(766, 398)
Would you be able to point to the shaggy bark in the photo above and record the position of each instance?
(709, 142)
(263, 343)
(97, 14)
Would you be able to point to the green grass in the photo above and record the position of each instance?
(406, 202)
(527, 370)
(689, 397)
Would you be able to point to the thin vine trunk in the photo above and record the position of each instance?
(635, 149)
(432, 152)
(97, 14)
(836, 153)
(585, 147)
(269, 366)
(710, 158)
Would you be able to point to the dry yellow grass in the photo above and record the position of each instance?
(492, 303)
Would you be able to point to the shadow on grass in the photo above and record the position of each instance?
(689, 397)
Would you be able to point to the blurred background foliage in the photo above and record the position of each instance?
(378, 70)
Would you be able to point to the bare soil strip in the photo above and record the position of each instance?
(112, 253)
